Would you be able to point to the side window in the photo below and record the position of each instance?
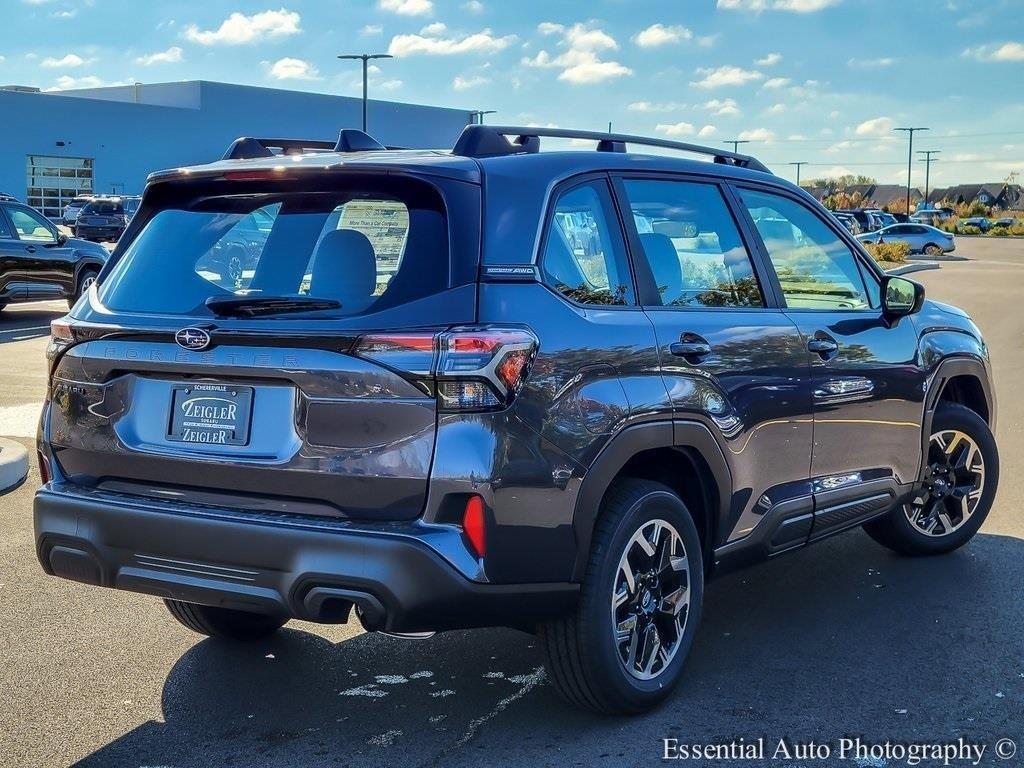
(30, 226)
(692, 245)
(584, 255)
(5, 231)
(815, 268)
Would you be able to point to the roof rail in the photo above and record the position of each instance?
(493, 141)
(349, 140)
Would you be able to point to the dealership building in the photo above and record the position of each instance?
(107, 140)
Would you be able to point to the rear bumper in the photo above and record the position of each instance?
(278, 566)
(86, 231)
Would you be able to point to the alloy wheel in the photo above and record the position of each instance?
(953, 484)
(650, 599)
(87, 283)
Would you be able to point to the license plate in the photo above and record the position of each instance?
(210, 414)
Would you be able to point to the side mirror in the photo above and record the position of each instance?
(62, 239)
(901, 297)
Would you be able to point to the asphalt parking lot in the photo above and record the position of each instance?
(842, 639)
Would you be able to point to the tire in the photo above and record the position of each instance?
(896, 530)
(586, 663)
(932, 249)
(224, 622)
(85, 279)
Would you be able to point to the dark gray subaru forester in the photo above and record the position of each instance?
(497, 387)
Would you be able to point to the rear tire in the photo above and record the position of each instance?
(905, 529)
(932, 249)
(224, 622)
(597, 656)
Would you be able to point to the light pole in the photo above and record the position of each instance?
(736, 143)
(910, 158)
(365, 58)
(802, 162)
(478, 115)
(927, 160)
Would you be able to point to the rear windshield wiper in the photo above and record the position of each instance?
(260, 306)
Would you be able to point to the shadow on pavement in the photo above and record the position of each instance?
(18, 323)
(841, 639)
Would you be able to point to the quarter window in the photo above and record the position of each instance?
(692, 245)
(815, 267)
(584, 256)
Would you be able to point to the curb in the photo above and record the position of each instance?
(13, 464)
(919, 266)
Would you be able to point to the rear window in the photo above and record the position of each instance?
(104, 208)
(363, 250)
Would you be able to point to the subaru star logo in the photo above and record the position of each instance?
(192, 338)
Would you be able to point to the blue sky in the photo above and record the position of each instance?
(822, 81)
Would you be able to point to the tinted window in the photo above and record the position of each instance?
(104, 208)
(815, 268)
(4, 229)
(367, 251)
(692, 245)
(584, 256)
(31, 226)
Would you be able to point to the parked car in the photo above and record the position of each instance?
(131, 205)
(980, 222)
(502, 430)
(864, 219)
(102, 219)
(74, 208)
(233, 256)
(37, 262)
(930, 216)
(1007, 221)
(849, 222)
(884, 219)
(920, 237)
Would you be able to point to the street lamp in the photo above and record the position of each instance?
(478, 115)
(365, 58)
(910, 158)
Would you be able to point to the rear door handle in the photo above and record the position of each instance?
(691, 347)
(823, 344)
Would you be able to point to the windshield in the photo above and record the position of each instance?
(103, 209)
(359, 251)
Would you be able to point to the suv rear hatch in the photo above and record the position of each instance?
(265, 348)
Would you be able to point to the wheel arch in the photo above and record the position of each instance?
(683, 455)
(961, 379)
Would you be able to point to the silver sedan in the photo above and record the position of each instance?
(920, 237)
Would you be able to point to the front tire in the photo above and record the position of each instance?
(224, 622)
(623, 649)
(932, 249)
(85, 281)
(959, 486)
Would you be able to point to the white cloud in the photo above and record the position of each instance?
(388, 85)
(839, 170)
(67, 83)
(884, 61)
(706, 41)
(580, 61)
(68, 61)
(293, 69)
(757, 134)
(996, 52)
(371, 29)
(770, 60)
(659, 34)
(842, 146)
(473, 6)
(776, 109)
(433, 30)
(879, 126)
(655, 106)
(725, 76)
(238, 29)
(675, 129)
(407, 7)
(68, 13)
(776, 82)
(171, 56)
(722, 107)
(461, 83)
(479, 42)
(795, 6)
(706, 131)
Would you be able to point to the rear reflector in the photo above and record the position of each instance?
(474, 525)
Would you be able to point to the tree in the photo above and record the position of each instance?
(839, 182)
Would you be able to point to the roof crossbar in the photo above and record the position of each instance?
(493, 141)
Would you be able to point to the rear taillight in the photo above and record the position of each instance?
(472, 369)
(44, 467)
(61, 337)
